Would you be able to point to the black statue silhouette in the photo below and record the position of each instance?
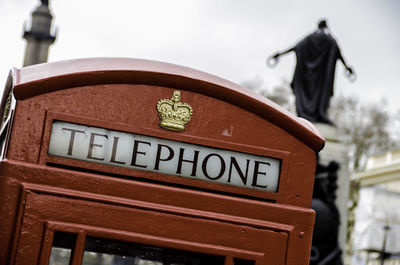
(314, 74)
(45, 2)
(325, 249)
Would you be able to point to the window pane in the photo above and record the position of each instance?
(61, 250)
(243, 262)
(100, 251)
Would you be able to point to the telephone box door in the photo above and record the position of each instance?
(63, 229)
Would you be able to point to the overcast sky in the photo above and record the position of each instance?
(228, 38)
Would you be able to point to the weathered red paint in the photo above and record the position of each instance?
(40, 193)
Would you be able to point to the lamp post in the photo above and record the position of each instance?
(386, 229)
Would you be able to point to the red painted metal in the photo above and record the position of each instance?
(40, 193)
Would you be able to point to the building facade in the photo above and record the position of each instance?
(376, 236)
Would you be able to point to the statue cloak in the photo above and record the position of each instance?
(314, 75)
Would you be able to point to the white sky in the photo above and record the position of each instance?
(227, 38)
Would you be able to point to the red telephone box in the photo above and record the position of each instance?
(123, 161)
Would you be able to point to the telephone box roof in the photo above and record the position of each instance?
(44, 78)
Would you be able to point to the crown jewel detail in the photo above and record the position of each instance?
(174, 115)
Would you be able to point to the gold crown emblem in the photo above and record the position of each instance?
(174, 115)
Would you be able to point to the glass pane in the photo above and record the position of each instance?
(100, 251)
(61, 250)
(243, 262)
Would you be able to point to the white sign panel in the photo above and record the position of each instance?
(164, 156)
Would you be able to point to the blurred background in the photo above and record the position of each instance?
(232, 39)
